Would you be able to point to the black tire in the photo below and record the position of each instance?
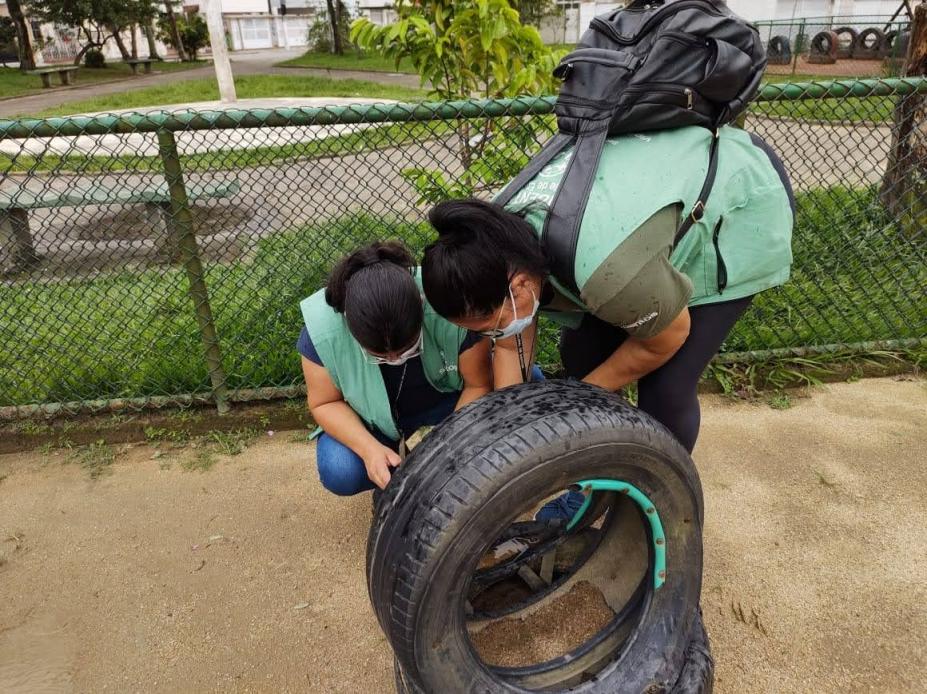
(779, 51)
(824, 43)
(869, 44)
(845, 50)
(697, 675)
(465, 483)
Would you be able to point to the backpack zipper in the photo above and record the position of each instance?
(687, 95)
(603, 27)
(578, 101)
(722, 267)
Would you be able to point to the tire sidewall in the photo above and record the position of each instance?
(656, 649)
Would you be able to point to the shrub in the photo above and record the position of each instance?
(94, 58)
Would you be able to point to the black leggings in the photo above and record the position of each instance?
(670, 393)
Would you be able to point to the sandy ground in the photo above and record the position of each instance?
(249, 577)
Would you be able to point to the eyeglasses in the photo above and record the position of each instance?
(413, 351)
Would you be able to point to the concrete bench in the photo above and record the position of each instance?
(144, 62)
(64, 74)
(17, 249)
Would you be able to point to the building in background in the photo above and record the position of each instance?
(262, 24)
(254, 24)
(574, 16)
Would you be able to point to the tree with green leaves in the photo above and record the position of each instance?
(193, 34)
(463, 49)
(534, 11)
(329, 32)
(99, 20)
(176, 39)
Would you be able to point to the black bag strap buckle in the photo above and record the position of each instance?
(698, 211)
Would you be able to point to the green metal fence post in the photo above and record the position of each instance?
(799, 45)
(182, 230)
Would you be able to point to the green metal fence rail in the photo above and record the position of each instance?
(157, 258)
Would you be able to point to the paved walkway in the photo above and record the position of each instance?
(245, 63)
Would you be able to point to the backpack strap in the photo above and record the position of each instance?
(551, 149)
(561, 228)
(698, 209)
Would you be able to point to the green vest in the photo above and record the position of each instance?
(746, 230)
(361, 382)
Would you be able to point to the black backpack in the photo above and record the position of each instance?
(647, 66)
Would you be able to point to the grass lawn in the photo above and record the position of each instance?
(247, 87)
(15, 83)
(250, 86)
(134, 333)
(352, 60)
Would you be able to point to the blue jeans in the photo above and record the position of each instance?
(342, 471)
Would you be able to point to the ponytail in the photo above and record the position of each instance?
(376, 290)
(480, 245)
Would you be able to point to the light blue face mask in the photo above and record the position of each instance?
(517, 325)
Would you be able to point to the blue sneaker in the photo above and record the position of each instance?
(564, 507)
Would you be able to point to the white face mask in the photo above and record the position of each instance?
(411, 353)
(517, 325)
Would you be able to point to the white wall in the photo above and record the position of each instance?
(242, 6)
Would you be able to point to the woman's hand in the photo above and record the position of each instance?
(338, 420)
(379, 461)
(636, 358)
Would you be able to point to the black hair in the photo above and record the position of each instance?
(376, 290)
(480, 245)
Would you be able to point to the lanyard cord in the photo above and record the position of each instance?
(524, 365)
(395, 405)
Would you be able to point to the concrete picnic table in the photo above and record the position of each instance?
(63, 71)
(17, 250)
(144, 62)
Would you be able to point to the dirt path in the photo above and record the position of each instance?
(248, 577)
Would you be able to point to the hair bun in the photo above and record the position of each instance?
(375, 254)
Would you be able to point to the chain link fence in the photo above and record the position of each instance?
(852, 46)
(158, 258)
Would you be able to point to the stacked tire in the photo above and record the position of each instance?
(469, 480)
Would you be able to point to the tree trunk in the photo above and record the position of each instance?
(134, 29)
(178, 42)
(904, 187)
(152, 47)
(117, 36)
(26, 54)
(87, 46)
(335, 20)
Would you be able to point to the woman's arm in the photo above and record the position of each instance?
(338, 420)
(637, 357)
(476, 372)
(506, 364)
